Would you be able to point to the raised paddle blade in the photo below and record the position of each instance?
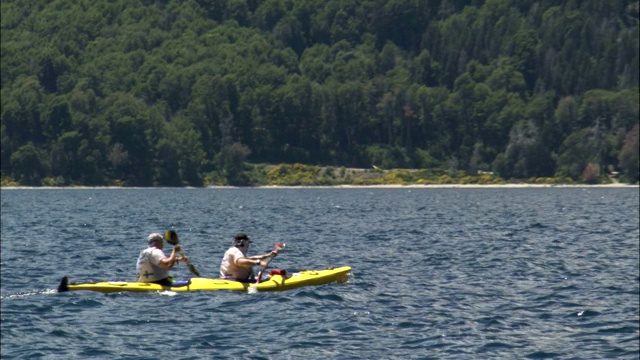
(172, 237)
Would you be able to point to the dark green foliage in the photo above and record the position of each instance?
(176, 93)
(526, 156)
(629, 160)
(29, 164)
(576, 152)
(231, 164)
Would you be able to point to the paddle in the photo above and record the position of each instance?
(172, 238)
(253, 288)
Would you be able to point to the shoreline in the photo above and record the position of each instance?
(386, 186)
(454, 186)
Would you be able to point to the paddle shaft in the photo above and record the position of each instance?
(265, 266)
(278, 247)
(189, 265)
(172, 238)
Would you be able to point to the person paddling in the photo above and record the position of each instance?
(153, 265)
(236, 265)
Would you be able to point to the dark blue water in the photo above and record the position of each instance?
(437, 274)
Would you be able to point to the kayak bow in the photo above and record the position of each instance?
(276, 282)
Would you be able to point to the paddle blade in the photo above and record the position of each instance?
(64, 285)
(172, 237)
(193, 270)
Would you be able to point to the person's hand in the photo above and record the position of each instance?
(177, 248)
(184, 259)
(263, 263)
(271, 254)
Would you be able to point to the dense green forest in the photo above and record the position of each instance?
(192, 92)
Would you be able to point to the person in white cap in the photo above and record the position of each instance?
(153, 265)
(236, 265)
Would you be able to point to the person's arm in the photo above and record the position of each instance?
(250, 261)
(263, 256)
(170, 261)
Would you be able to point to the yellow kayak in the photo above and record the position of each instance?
(276, 282)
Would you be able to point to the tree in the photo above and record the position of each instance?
(268, 14)
(29, 164)
(56, 117)
(575, 153)
(167, 164)
(21, 113)
(64, 156)
(564, 119)
(189, 152)
(525, 156)
(153, 92)
(628, 155)
(231, 163)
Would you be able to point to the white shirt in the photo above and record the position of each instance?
(148, 266)
(229, 267)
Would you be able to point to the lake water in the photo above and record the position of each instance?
(531, 273)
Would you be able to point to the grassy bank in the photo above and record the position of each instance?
(308, 175)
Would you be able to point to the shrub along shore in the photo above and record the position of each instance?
(300, 175)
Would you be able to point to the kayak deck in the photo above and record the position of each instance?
(275, 283)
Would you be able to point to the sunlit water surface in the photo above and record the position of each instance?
(437, 274)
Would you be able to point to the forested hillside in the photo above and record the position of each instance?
(173, 93)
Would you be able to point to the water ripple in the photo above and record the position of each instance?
(438, 274)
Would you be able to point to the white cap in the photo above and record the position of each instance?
(154, 239)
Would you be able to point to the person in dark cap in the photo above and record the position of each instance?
(153, 265)
(236, 265)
